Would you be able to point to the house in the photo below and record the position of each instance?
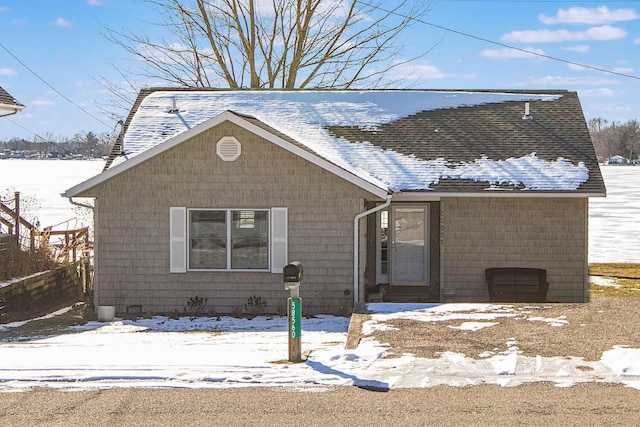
(8, 103)
(211, 192)
(618, 160)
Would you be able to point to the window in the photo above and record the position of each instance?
(382, 248)
(208, 239)
(250, 240)
(228, 239)
(384, 240)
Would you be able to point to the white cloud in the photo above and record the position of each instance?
(83, 83)
(169, 55)
(605, 32)
(623, 70)
(595, 16)
(7, 72)
(575, 67)
(637, 41)
(507, 53)
(94, 2)
(582, 48)
(61, 22)
(573, 81)
(41, 102)
(417, 71)
(614, 108)
(336, 8)
(599, 93)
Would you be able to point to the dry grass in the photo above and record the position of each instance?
(627, 271)
(625, 276)
(20, 263)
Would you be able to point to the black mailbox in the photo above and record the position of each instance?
(292, 272)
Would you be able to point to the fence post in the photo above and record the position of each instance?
(16, 218)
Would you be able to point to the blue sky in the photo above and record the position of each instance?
(62, 42)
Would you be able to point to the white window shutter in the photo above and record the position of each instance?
(178, 243)
(279, 239)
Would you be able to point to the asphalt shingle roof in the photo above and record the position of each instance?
(497, 131)
(462, 141)
(7, 99)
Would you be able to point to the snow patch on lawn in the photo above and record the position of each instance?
(226, 352)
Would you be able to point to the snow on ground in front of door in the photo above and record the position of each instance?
(223, 352)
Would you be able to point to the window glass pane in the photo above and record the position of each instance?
(384, 242)
(250, 239)
(207, 240)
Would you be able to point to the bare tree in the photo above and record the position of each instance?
(629, 139)
(275, 43)
(600, 135)
(615, 138)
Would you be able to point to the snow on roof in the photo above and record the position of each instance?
(305, 116)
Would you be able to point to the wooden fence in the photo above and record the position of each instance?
(43, 293)
(66, 246)
(37, 294)
(11, 218)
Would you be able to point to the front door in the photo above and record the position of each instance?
(409, 245)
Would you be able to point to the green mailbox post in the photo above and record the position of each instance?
(292, 275)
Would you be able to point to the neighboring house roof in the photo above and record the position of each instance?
(8, 102)
(396, 140)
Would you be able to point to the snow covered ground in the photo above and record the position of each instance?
(614, 224)
(229, 352)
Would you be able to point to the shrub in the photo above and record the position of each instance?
(196, 307)
(255, 306)
(19, 263)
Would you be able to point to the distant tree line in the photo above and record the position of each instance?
(84, 144)
(615, 139)
(609, 138)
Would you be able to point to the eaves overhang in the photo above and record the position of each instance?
(11, 107)
(426, 196)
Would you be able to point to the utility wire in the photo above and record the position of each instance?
(542, 55)
(53, 88)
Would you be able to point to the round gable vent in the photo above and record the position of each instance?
(228, 148)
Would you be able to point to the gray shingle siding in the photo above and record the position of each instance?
(132, 226)
(547, 233)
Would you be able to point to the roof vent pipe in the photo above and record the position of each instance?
(527, 116)
(174, 109)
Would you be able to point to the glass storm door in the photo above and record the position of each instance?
(409, 250)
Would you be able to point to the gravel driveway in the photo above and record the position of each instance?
(581, 330)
